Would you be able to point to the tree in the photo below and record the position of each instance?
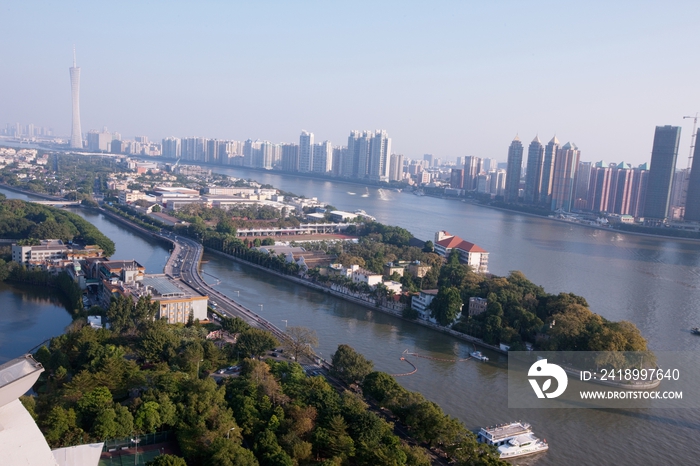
(428, 246)
(300, 340)
(148, 417)
(254, 342)
(234, 324)
(446, 306)
(225, 452)
(349, 365)
(156, 208)
(166, 460)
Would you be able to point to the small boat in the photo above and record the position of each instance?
(478, 356)
(366, 194)
(352, 194)
(695, 331)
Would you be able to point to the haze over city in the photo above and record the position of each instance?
(449, 78)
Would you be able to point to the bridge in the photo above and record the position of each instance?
(56, 202)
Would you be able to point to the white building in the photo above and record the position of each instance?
(469, 253)
(48, 250)
(306, 151)
(421, 303)
(323, 157)
(361, 275)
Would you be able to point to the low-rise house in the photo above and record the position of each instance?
(421, 303)
(477, 306)
(361, 275)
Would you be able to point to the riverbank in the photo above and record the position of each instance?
(595, 227)
(363, 303)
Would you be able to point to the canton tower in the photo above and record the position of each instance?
(76, 136)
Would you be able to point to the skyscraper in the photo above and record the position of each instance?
(380, 151)
(692, 200)
(306, 151)
(322, 157)
(663, 165)
(76, 135)
(563, 177)
(396, 167)
(550, 155)
(515, 166)
(472, 169)
(533, 175)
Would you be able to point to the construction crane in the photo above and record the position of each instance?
(692, 137)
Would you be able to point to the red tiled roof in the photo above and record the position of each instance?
(449, 243)
(458, 243)
(469, 247)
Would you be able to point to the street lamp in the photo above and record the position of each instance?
(285, 322)
(261, 308)
(228, 434)
(201, 360)
(238, 293)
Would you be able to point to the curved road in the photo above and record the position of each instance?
(184, 263)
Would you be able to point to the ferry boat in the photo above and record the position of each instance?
(695, 330)
(512, 440)
(478, 356)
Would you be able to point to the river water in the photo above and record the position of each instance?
(649, 281)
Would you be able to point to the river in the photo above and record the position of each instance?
(651, 282)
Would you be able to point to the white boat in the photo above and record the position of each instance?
(366, 194)
(512, 440)
(478, 356)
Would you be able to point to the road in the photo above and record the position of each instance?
(184, 264)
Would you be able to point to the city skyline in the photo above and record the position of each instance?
(438, 79)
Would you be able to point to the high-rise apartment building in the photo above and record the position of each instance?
(380, 150)
(76, 135)
(99, 141)
(322, 160)
(663, 165)
(306, 151)
(429, 158)
(457, 178)
(290, 157)
(692, 201)
(515, 167)
(472, 169)
(171, 148)
(565, 165)
(679, 187)
(583, 180)
(599, 187)
(550, 156)
(533, 173)
(396, 167)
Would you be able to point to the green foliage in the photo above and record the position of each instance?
(167, 460)
(20, 219)
(446, 306)
(234, 324)
(254, 342)
(349, 365)
(125, 316)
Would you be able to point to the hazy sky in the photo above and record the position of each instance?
(448, 78)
